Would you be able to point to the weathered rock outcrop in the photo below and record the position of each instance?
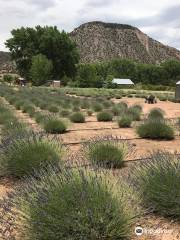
(98, 41)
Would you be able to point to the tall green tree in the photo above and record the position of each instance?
(87, 75)
(172, 67)
(41, 70)
(122, 68)
(49, 41)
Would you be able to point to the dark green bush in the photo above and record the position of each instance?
(5, 115)
(28, 152)
(155, 129)
(97, 107)
(158, 180)
(85, 105)
(104, 116)
(107, 104)
(65, 113)
(12, 99)
(89, 113)
(106, 153)
(28, 109)
(125, 121)
(135, 112)
(76, 109)
(73, 205)
(39, 117)
(43, 105)
(18, 104)
(163, 98)
(53, 108)
(77, 117)
(12, 129)
(54, 126)
(156, 113)
(122, 106)
(116, 111)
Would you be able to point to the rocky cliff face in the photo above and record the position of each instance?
(98, 41)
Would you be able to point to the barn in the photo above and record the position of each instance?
(177, 93)
(125, 82)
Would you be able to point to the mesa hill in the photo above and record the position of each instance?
(98, 41)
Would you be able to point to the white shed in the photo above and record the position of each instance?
(120, 81)
(56, 83)
(177, 93)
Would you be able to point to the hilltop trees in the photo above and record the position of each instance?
(26, 43)
(172, 67)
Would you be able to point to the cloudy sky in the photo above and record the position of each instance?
(158, 18)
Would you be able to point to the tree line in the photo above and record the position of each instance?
(101, 74)
(44, 53)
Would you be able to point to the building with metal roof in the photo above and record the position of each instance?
(122, 81)
(177, 91)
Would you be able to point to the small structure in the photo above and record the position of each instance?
(177, 93)
(56, 83)
(21, 81)
(122, 82)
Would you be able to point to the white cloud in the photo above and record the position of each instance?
(160, 19)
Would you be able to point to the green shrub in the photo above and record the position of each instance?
(73, 205)
(158, 180)
(89, 113)
(116, 111)
(163, 98)
(125, 121)
(156, 113)
(43, 105)
(118, 96)
(135, 112)
(54, 126)
(53, 109)
(65, 113)
(39, 117)
(12, 99)
(5, 115)
(28, 152)
(85, 105)
(76, 109)
(28, 109)
(104, 116)
(97, 107)
(77, 117)
(106, 152)
(12, 129)
(155, 129)
(122, 106)
(18, 104)
(107, 104)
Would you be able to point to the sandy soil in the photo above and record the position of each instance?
(6, 185)
(157, 228)
(171, 109)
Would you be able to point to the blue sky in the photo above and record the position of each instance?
(159, 19)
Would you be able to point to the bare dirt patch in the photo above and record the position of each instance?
(171, 109)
